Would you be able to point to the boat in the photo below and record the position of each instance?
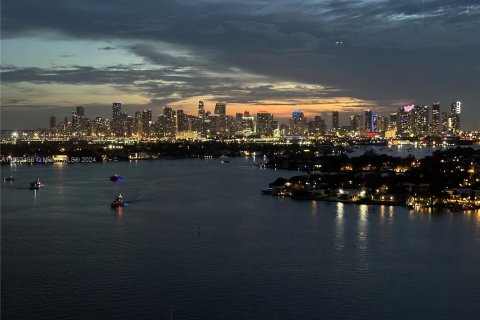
(118, 202)
(8, 179)
(274, 191)
(224, 159)
(116, 178)
(35, 185)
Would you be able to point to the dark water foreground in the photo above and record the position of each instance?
(198, 236)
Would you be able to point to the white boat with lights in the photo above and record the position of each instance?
(35, 185)
(118, 202)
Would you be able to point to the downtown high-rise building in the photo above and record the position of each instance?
(220, 109)
(317, 126)
(435, 124)
(53, 122)
(445, 122)
(335, 120)
(356, 123)
(298, 123)
(369, 121)
(380, 123)
(456, 109)
(201, 110)
(248, 124)
(264, 124)
(78, 120)
(138, 126)
(116, 124)
(237, 123)
(181, 121)
(129, 123)
(392, 125)
(420, 120)
(405, 120)
(167, 123)
(147, 122)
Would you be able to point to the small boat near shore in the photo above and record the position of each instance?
(224, 159)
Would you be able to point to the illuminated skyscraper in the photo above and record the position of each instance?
(455, 115)
(78, 119)
(445, 127)
(356, 123)
(201, 110)
(369, 121)
(380, 123)
(420, 120)
(434, 125)
(116, 119)
(181, 122)
(129, 125)
(138, 128)
(167, 123)
(146, 121)
(393, 121)
(298, 123)
(248, 123)
(405, 120)
(264, 124)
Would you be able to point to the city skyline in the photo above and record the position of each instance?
(277, 56)
(406, 122)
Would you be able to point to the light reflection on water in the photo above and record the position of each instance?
(339, 226)
(362, 238)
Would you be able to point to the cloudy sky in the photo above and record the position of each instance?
(277, 56)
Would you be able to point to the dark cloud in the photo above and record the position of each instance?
(392, 50)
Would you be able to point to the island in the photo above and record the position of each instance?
(446, 179)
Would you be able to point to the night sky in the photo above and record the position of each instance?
(277, 56)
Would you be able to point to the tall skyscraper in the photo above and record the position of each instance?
(238, 123)
(317, 126)
(248, 124)
(405, 120)
(129, 125)
(420, 120)
(220, 109)
(335, 120)
(369, 121)
(356, 123)
(181, 122)
(298, 123)
(264, 124)
(167, 123)
(138, 126)
(393, 120)
(80, 111)
(201, 110)
(116, 119)
(445, 127)
(380, 123)
(434, 125)
(147, 121)
(53, 122)
(455, 115)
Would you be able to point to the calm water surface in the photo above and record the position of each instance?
(198, 236)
